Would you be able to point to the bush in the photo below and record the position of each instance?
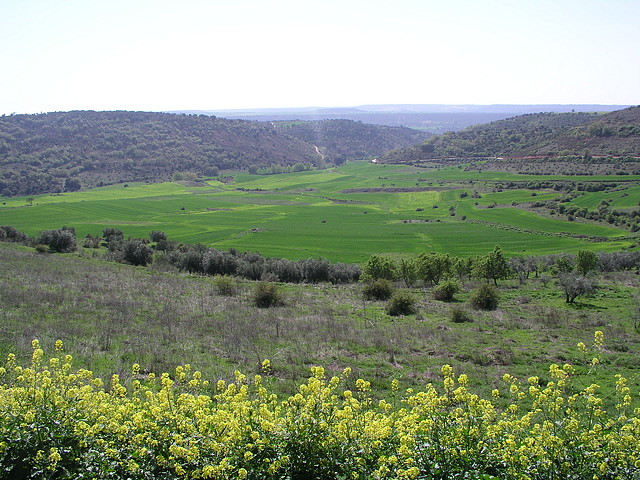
(315, 271)
(110, 234)
(401, 303)
(380, 289)
(136, 252)
(460, 315)
(61, 240)
(266, 295)
(225, 285)
(91, 242)
(446, 290)
(42, 248)
(485, 297)
(158, 236)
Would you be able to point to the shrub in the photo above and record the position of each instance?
(460, 315)
(42, 248)
(91, 242)
(266, 294)
(110, 234)
(315, 270)
(225, 285)
(380, 289)
(217, 262)
(401, 303)
(446, 290)
(158, 236)
(61, 240)
(485, 297)
(136, 252)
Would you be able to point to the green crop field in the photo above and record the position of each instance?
(343, 214)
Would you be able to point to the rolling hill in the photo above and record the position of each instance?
(66, 151)
(547, 134)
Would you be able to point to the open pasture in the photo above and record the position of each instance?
(343, 214)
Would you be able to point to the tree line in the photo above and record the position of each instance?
(442, 271)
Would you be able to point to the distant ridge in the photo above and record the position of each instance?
(614, 134)
(434, 118)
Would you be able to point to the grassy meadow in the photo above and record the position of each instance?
(343, 214)
(111, 316)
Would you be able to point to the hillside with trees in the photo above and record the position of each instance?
(541, 134)
(347, 139)
(67, 151)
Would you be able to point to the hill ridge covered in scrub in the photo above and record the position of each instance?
(539, 134)
(53, 152)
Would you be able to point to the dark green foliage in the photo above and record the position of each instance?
(218, 262)
(446, 290)
(485, 297)
(266, 294)
(586, 261)
(136, 252)
(91, 242)
(158, 236)
(11, 234)
(380, 289)
(315, 271)
(564, 263)
(62, 240)
(42, 248)
(72, 185)
(401, 303)
(112, 234)
(460, 315)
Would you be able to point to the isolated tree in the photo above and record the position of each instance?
(586, 261)
(575, 285)
(492, 266)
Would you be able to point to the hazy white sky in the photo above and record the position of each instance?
(217, 54)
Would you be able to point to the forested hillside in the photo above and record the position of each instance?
(66, 151)
(346, 139)
(550, 134)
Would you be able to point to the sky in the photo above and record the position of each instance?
(157, 55)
